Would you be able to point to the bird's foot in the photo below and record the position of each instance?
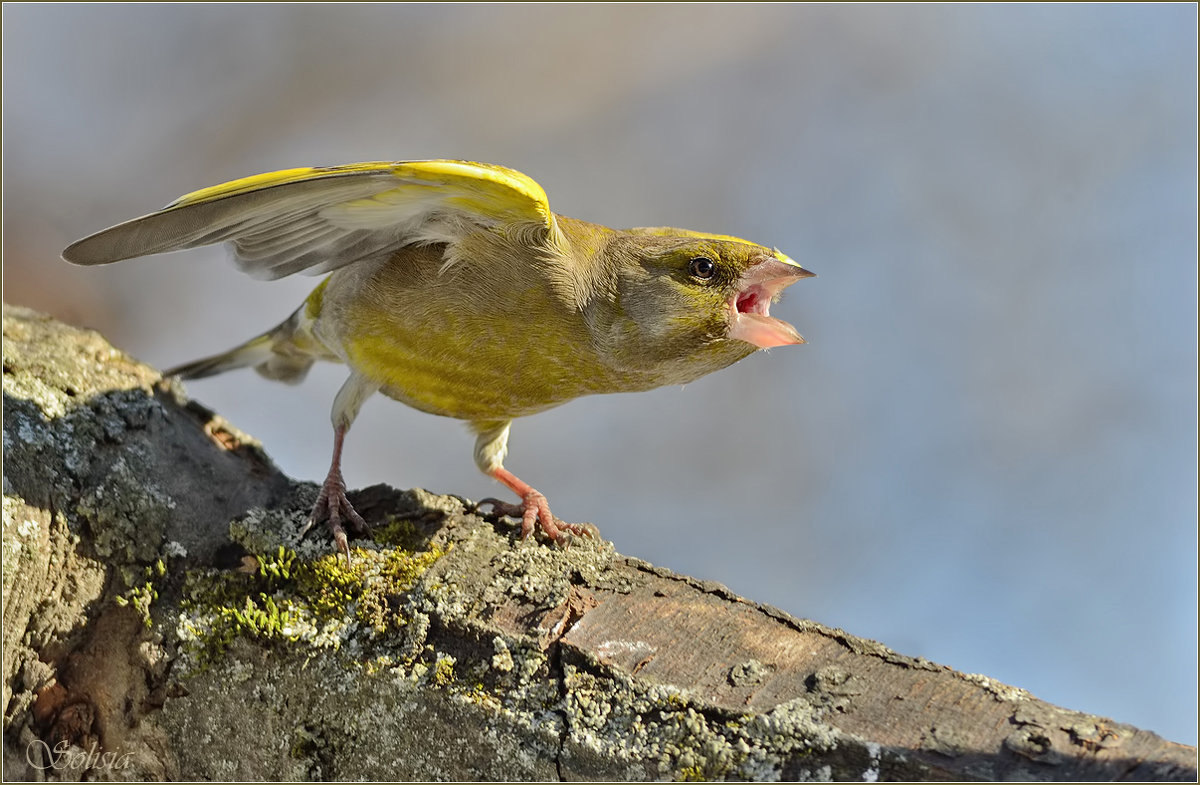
(338, 513)
(535, 510)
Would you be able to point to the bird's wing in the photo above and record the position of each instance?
(320, 219)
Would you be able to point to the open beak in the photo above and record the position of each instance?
(750, 317)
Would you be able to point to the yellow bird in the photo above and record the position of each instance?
(455, 289)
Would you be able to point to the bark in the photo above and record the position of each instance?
(164, 618)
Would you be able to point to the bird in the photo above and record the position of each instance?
(453, 288)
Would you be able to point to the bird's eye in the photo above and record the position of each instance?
(702, 267)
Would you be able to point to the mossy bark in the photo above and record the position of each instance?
(165, 619)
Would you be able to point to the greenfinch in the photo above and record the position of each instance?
(453, 288)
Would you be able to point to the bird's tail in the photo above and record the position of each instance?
(284, 353)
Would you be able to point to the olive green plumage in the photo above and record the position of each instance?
(456, 290)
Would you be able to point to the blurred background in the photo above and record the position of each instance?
(986, 453)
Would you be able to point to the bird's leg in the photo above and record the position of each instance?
(534, 509)
(490, 449)
(332, 505)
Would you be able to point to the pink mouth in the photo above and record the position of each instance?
(750, 317)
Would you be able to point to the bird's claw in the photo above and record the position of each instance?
(535, 511)
(335, 509)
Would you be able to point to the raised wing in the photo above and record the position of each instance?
(319, 219)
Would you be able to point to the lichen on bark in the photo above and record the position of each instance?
(193, 633)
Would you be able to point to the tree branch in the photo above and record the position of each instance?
(163, 618)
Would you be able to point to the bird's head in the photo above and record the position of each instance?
(694, 302)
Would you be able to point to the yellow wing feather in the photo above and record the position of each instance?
(491, 190)
(320, 218)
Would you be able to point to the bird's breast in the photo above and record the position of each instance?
(469, 374)
(471, 358)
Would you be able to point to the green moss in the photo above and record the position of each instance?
(328, 585)
(143, 590)
(278, 567)
(400, 532)
(286, 598)
(263, 618)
